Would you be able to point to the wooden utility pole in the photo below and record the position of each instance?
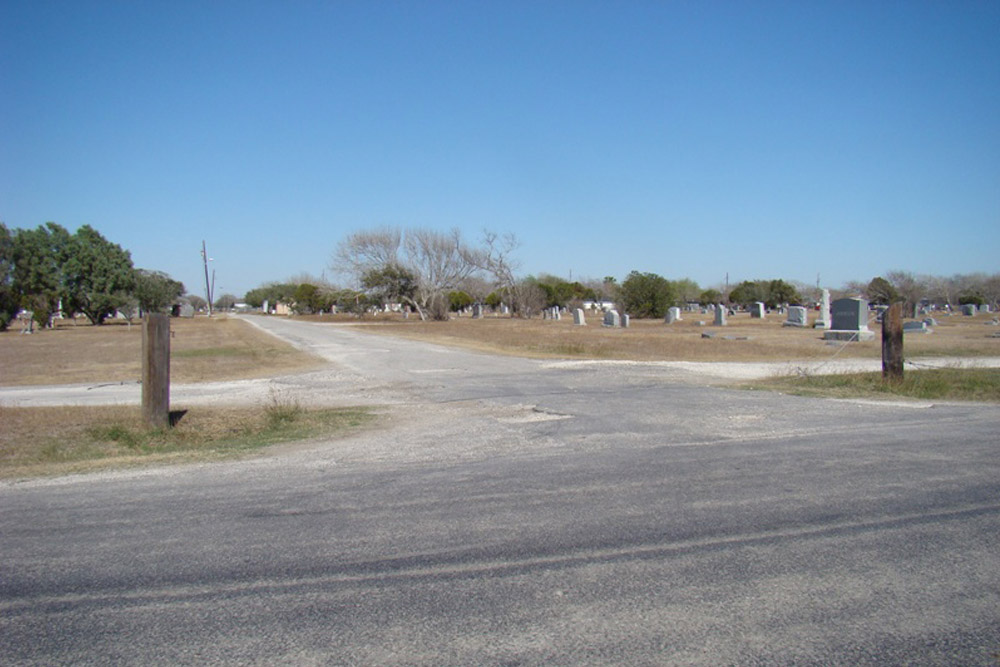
(156, 370)
(892, 343)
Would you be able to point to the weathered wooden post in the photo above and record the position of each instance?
(892, 343)
(156, 370)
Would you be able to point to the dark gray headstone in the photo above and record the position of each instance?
(849, 320)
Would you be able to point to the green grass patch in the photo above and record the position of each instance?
(52, 441)
(949, 384)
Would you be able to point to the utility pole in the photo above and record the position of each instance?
(208, 286)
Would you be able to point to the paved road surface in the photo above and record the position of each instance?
(514, 511)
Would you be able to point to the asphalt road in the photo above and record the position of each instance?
(512, 511)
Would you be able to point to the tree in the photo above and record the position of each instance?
(687, 290)
(390, 284)
(747, 292)
(8, 298)
(225, 302)
(457, 300)
(779, 292)
(439, 262)
(909, 288)
(38, 257)
(155, 291)
(197, 302)
(270, 292)
(98, 275)
(709, 296)
(647, 295)
(881, 291)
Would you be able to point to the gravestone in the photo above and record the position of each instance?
(477, 312)
(930, 321)
(757, 310)
(673, 314)
(265, 307)
(626, 320)
(969, 309)
(578, 318)
(720, 316)
(823, 321)
(849, 321)
(985, 308)
(612, 319)
(915, 327)
(797, 317)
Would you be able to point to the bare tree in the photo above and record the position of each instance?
(437, 262)
(524, 297)
(366, 250)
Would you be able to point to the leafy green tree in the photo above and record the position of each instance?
(647, 295)
(687, 290)
(779, 292)
(272, 293)
(881, 291)
(390, 283)
(747, 292)
(155, 291)
(8, 298)
(39, 256)
(457, 300)
(709, 296)
(97, 275)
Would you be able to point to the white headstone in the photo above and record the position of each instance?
(673, 314)
(823, 321)
(612, 319)
(626, 320)
(578, 318)
(720, 316)
(757, 310)
(797, 317)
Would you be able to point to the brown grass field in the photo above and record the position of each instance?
(221, 348)
(743, 339)
(202, 349)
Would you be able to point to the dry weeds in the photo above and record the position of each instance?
(202, 349)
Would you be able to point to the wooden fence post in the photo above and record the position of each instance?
(892, 343)
(156, 370)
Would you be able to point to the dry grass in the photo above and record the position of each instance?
(64, 440)
(202, 349)
(743, 339)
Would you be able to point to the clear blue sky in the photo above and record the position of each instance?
(691, 139)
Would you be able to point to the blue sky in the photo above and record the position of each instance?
(690, 139)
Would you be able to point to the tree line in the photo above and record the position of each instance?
(47, 270)
(436, 273)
